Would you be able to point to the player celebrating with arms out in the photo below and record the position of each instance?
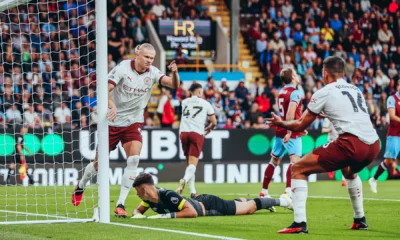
(355, 148)
(289, 102)
(194, 118)
(169, 204)
(129, 85)
(392, 137)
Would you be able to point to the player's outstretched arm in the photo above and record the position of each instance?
(139, 211)
(187, 211)
(293, 125)
(174, 81)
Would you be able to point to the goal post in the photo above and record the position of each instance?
(50, 51)
(102, 93)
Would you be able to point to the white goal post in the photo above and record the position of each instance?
(50, 52)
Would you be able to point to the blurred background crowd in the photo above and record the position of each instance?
(47, 57)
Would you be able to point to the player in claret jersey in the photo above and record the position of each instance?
(129, 86)
(195, 113)
(392, 139)
(355, 148)
(289, 102)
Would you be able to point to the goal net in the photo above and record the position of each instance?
(48, 109)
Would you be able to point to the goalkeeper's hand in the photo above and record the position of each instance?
(138, 216)
(159, 216)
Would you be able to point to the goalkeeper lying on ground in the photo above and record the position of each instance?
(169, 204)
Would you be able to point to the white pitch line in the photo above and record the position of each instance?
(35, 214)
(175, 231)
(316, 197)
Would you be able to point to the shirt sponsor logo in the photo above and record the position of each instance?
(136, 91)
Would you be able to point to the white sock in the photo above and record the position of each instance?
(265, 191)
(354, 187)
(191, 184)
(130, 172)
(189, 173)
(343, 178)
(89, 172)
(288, 190)
(299, 196)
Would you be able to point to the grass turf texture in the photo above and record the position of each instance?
(327, 218)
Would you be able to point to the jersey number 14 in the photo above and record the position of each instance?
(353, 102)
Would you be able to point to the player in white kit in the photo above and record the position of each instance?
(327, 127)
(195, 113)
(355, 148)
(129, 85)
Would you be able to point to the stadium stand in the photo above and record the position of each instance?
(275, 34)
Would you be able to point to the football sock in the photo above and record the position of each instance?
(299, 196)
(191, 184)
(189, 173)
(380, 170)
(265, 203)
(354, 187)
(268, 174)
(128, 178)
(90, 172)
(289, 176)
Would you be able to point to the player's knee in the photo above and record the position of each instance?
(275, 161)
(294, 159)
(349, 175)
(96, 165)
(132, 161)
(388, 162)
(297, 170)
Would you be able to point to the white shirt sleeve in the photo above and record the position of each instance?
(156, 75)
(318, 100)
(115, 75)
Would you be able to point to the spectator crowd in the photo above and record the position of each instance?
(47, 59)
(301, 34)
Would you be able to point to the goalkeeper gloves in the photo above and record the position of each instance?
(138, 216)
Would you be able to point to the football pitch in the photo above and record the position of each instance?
(329, 215)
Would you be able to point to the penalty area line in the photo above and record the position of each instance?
(175, 231)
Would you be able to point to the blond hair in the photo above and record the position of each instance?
(140, 47)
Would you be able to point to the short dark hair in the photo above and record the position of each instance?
(334, 66)
(143, 178)
(194, 87)
(287, 75)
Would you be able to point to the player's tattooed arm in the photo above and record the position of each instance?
(298, 125)
(212, 125)
(392, 115)
(174, 81)
(112, 112)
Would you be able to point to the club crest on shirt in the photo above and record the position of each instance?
(147, 80)
(174, 200)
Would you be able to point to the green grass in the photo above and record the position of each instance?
(327, 218)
